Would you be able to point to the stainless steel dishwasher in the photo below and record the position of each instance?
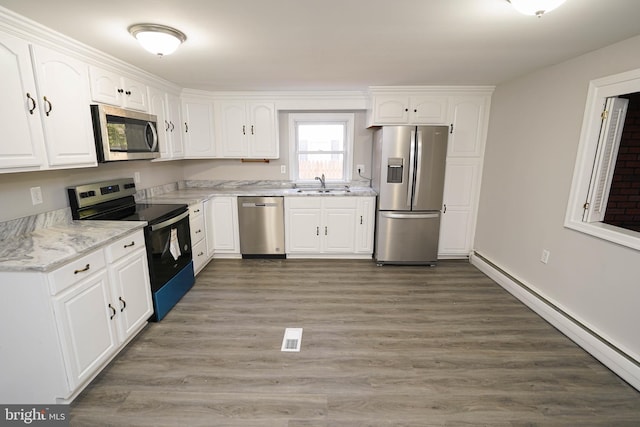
(261, 221)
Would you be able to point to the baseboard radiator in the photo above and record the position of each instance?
(607, 353)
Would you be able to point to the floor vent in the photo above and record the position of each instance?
(292, 339)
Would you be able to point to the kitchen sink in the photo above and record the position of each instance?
(324, 190)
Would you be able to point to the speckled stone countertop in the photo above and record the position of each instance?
(37, 244)
(191, 192)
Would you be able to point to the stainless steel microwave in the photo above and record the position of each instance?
(124, 134)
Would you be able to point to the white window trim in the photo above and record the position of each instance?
(347, 118)
(599, 91)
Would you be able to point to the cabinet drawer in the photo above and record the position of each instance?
(126, 245)
(197, 229)
(75, 271)
(199, 255)
(195, 210)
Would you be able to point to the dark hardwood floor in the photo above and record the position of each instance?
(382, 346)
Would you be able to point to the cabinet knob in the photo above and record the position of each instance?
(120, 90)
(128, 92)
(406, 109)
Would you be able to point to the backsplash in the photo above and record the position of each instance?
(31, 223)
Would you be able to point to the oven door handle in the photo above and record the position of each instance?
(167, 223)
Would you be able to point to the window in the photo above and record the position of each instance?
(607, 173)
(321, 143)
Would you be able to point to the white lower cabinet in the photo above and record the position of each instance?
(329, 226)
(198, 229)
(222, 213)
(87, 310)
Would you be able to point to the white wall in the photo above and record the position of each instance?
(235, 170)
(530, 155)
(15, 194)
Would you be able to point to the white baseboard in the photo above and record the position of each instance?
(605, 352)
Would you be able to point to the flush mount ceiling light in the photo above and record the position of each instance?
(157, 39)
(535, 7)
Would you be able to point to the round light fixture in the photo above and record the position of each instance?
(157, 39)
(535, 7)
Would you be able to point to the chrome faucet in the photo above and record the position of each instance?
(322, 181)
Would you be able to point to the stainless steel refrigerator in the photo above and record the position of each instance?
(408, 174)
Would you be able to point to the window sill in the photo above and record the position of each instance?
(610, 233)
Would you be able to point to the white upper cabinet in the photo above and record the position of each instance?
(166, 108)
(22, 146)
(467, 125)
(410, 110)
(63, 89)
(199, 137)
(111, 88)
(247, 130)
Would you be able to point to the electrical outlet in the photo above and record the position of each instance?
(36, 195)
(136, 177)
(283, 169)
(360, 169)
(545, 256)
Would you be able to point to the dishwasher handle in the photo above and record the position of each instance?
(258, 205)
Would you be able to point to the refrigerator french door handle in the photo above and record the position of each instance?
(418, 168)
(412, 160)
(398, 215)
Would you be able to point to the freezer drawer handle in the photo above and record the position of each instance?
(408, 216)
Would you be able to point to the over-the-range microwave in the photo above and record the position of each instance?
(122, 134)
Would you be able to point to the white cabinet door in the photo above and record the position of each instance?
(428, 110)
(462, 178)
(338, 230)
(247, 130)
(131, 292)
(226, 238)
(262, 132)
(158, 107)
(233, 129)
(85, 317)
(112, 88)
(402, 109)
(365, 224)
(174, 126)
(199, 138)
(22, 144)
(209, 227)
(467, 115)
(302, 230)
(390, 109)
(63, 84)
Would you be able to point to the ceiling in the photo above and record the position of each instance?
(340, 44)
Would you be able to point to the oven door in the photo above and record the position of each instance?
(168, 248)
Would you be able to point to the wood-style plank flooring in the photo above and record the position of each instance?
(382, 346)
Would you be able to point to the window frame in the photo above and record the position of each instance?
(599, 91)
(348, 119)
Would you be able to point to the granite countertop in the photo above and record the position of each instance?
(45, 249)
(191, 195)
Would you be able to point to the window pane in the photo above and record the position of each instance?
(312, 165)
(320, 137)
